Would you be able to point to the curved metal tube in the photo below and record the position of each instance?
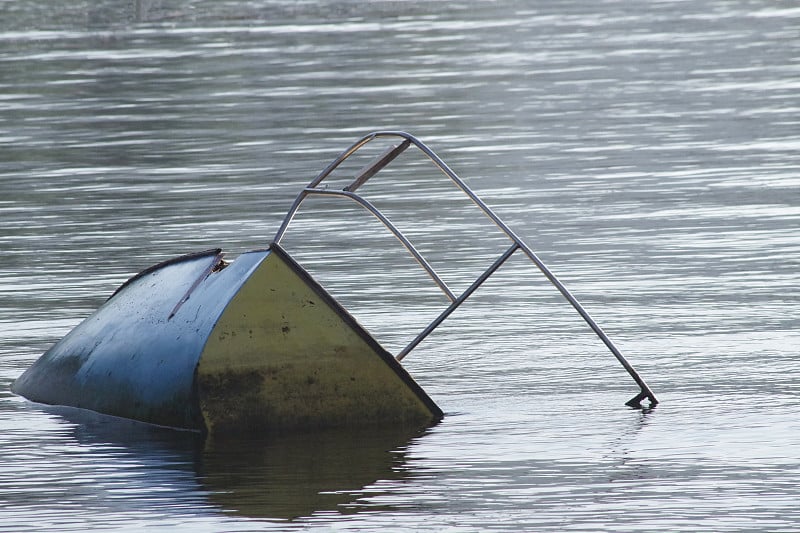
(646, 392)
(389, 225)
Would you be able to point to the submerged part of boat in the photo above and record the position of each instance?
(257, 344)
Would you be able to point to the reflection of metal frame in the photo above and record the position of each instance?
(387, 157)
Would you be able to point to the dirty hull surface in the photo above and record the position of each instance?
(285, 354)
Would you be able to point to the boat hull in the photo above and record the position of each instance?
(257, 345)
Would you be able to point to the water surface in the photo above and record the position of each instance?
(647, 152)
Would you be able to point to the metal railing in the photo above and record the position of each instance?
(407, 140)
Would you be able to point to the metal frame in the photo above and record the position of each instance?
(387, 157)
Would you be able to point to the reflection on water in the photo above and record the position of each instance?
(296, 475)
(281, 477)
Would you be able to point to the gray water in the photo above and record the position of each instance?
(647, 151)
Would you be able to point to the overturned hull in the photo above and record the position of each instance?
(255, 345)
(258, 345)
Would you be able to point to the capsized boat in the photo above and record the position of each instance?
(257, 344)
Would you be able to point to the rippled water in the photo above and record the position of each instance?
(648, 151)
